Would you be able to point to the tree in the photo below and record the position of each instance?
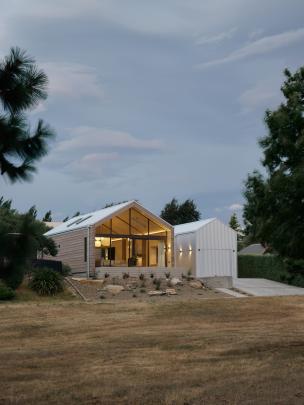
(274, 209)
(77, 213)
(22, 86)
(180, 213)
(21, 237)
(234, 223)
(65, 219)
(47, 217)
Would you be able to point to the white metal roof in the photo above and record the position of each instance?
(82, 221)
(92, 218)
(191, 226)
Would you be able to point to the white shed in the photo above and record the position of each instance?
(208, 248)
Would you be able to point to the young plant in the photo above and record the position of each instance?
(157, 283)
(167, 274)
(141, 276)
(125, 276)
(107, 275)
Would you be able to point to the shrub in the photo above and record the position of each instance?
(157, 283)
(12, 274)
(46, 282)
(167, 275)
(66, 270)
(106, 275)
(6, 293)
(271, 267)
(141, 276)
(125, 276)
(152, 275)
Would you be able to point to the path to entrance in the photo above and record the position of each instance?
(260, 287)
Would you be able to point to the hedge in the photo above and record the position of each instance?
(270, 267)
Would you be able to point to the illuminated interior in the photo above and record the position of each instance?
(131, 238)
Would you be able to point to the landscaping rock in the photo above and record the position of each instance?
(175, 281)
(171, 291)
(156, 293)
(196, 284)
(114, 289)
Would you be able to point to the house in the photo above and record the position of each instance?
(209, 249)
(253, 249)
(116, 239)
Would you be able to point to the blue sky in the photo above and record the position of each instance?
(152, 100)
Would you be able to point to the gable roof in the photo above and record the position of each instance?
(92, 218)
(191, 226)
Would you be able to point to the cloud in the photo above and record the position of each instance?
(235, 207)
(256, 33)
(73, 80)
(262, 95)
(91, 137)
(94, 153)
(217, 38)
(259, 47)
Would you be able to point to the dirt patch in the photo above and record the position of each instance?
(135, 288)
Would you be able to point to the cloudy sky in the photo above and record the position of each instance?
(152, 99)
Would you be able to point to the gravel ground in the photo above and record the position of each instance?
(93, 290)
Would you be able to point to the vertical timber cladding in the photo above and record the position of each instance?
(71, 250)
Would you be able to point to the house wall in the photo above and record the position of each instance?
(185, 248)
(71, 250)
(159, 272)
(214, 251)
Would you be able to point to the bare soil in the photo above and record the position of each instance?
(136, 289)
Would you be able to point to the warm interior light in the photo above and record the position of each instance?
(97, 243)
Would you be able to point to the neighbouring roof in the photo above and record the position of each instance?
(53, 224)
(92, 218)
(254, 249)
(191, 226)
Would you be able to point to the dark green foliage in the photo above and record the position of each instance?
(157, 283)
(234, 223)
(65, 219)
(22, 86)
(21, 237)
(66, 270)
(45, 281)
(6, 293)
(274, 209)
(176, 213)
(47, 217)
(271, 267)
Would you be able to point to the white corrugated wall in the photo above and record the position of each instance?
(216, 253)
(185, 248)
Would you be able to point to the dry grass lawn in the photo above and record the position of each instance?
(220, 351)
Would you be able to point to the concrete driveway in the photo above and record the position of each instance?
(260, 287)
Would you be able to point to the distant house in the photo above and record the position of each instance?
(253, 249)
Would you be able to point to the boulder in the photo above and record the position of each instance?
(114, 289)
(196, 284)
(156, 293)
(171, 291)
(175, 281)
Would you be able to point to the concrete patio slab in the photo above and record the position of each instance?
(260, 287)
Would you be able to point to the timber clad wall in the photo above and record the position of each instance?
(71, 250)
